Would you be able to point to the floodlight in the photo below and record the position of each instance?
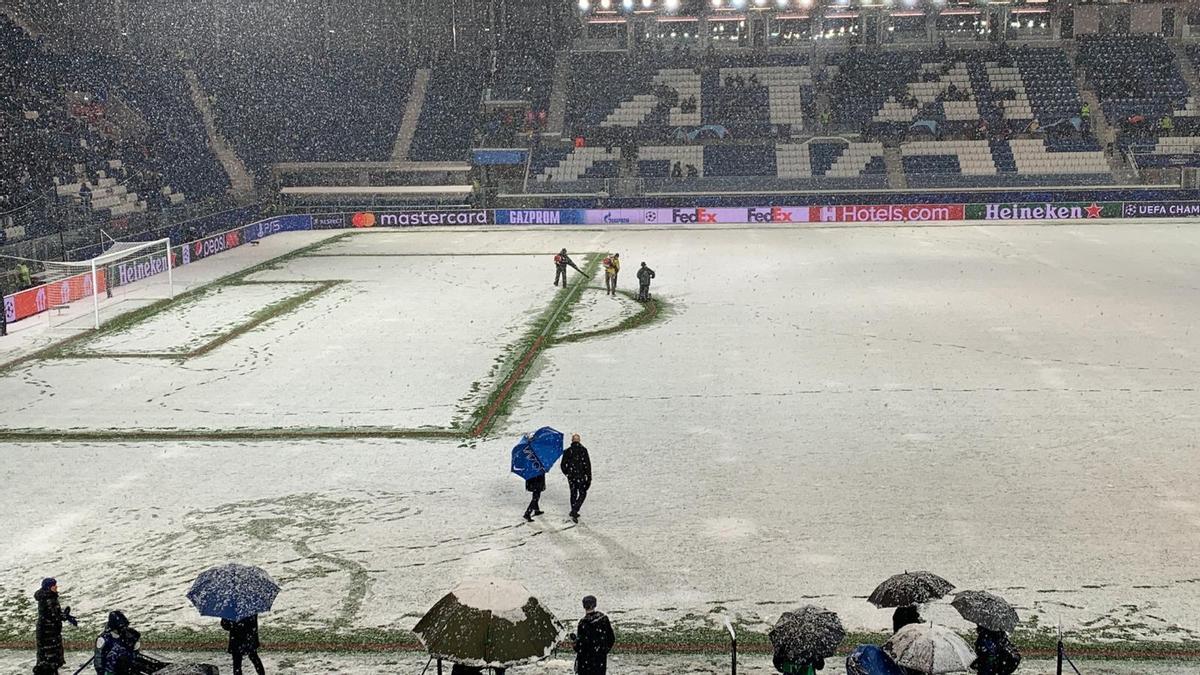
(584, 5)
(671, 5)
(605, 4)
(647, 3)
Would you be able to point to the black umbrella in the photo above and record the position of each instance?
(910, 588)
(984, 609)
(806, 634)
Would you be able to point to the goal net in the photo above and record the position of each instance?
(81, 295)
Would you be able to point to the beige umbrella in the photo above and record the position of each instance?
(930, 649)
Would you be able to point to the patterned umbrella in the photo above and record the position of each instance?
(233, 592)
(535, 453)
(931, 649)
(984, 609)
(489, 623)
(808, 633)
(910, 588)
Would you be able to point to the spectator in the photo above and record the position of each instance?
(577, 466)
(24, 280)
(116, 648)
(243, 643)
(692, 172)
(49, 628)
(593, 640)
(677, 171)
(995, 653)
(905, 615)
(535, 486)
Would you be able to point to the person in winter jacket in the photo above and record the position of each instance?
(243, 643)
(995, 654)
(535, 485)
(49, 627)
(593, 640)
(612, 267)
(561, 261)
(577, 467)
(116, 648)
(904, 616)
(783, 665)
(644, 275)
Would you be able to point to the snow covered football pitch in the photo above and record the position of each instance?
(810, 411)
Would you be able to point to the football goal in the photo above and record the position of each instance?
(80, 294)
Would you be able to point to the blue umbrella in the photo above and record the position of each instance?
(536, 453)
(233, 592)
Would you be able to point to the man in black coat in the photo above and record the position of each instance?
(536, 485)
(577, 466)
(243, 642)
(593, 640)
(644, 275)
(49, 628)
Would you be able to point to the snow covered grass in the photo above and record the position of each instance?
(199, 323)
(1010, 407)
(382, 306)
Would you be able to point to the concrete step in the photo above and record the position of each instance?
(241, 181)
(412, 115)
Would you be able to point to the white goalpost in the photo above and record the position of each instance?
(76, 294)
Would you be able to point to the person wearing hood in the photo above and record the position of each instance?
(116, 648)
(593, 640)
(243, 643)
(577, 467)
(49, 628)
(995, 654)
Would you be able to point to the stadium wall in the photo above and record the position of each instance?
(33, 301)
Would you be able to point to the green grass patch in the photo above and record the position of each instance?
(519, 356)
(262, 316)
(129, 319)
(650, 312)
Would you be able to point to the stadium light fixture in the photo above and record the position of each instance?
(606, 4)
(647, 3)
(671, 5)
(782, 3)
(760, 3)
(716, 4)
(627, 4)
(584, 5)
(738, 4)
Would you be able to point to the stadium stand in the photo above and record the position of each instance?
(1134, 76)
(307, 108)
(452, 101)
(65, 143)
